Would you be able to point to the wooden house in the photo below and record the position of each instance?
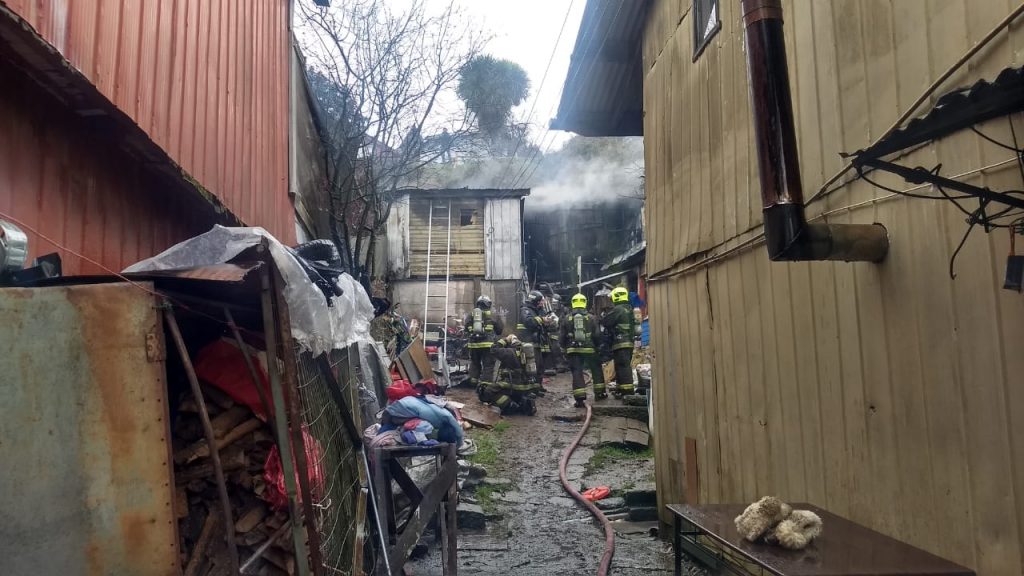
(889, 392)
(483, 256)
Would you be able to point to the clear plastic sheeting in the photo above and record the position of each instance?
(316, 326)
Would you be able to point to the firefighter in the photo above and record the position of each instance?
(533, 329)
(620, 328)
(483, 329)
(557, 361)
(580, 340)
(512, 384)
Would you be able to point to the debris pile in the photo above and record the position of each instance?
(246, 445)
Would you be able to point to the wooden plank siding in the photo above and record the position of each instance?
(887, 393)
(467, 241)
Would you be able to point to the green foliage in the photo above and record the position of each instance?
(487, 448)
(490, 87)
(614, 453)
(501, 427)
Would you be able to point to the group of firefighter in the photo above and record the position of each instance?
(508, 370)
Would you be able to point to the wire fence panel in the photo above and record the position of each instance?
(334, 462)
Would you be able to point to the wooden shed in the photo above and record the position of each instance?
(483, 256)
(888, 393)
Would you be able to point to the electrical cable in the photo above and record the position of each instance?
(609, 532)
(506, 172)
(952, 259)
(923, 97)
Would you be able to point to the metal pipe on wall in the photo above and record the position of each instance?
(788, 235)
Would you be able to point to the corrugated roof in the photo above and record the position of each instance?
(956, 110)
(603, 91)
(475, 192)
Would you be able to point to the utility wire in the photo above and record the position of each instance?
(529, 117)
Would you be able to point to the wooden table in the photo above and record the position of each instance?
(708, 533)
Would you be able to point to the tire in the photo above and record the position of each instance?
(322, 250)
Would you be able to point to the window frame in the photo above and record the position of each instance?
(700, 41)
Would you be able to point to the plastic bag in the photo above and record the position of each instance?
(315, 325)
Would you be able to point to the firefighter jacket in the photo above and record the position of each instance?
(531, 325)
(619, 324)
(484, 331)
(510, 367)
(580, 333)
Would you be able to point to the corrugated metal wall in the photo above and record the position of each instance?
(888, 393)
(81, 191)
(208, 81)
(503, 230)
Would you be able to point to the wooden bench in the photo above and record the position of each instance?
(708, 534)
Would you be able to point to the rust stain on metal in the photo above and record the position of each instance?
(90, 408)
(155, 351)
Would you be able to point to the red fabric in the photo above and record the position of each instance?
(222, 365)
(276, 495)
(597, 493)
(400, 389)
(411, 424)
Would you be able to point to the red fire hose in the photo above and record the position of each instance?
(609, 533)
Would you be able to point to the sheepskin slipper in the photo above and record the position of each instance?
(796, 531)
(761, 516)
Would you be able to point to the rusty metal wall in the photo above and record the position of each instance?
(84, 434)
(82, 192)
(208, 81)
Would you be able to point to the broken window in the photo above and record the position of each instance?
(706, 23)
(467, 216)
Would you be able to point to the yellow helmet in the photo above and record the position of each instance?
(620, 295)
(579, 301)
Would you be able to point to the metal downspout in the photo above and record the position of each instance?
(788, 235)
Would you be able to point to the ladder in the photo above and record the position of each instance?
(436, 294)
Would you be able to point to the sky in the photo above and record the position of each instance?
(524, 32)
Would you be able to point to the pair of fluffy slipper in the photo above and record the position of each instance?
(777, 523)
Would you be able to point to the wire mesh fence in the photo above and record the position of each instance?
(339, 499)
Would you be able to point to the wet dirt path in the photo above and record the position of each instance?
(541, 530)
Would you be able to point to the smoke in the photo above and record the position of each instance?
(589, 171)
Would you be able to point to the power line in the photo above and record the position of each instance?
(529, 117)
(575, 96)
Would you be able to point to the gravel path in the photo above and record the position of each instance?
(541, 530)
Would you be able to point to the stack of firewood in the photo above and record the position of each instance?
(244, 441)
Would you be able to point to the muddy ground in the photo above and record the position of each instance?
(533, 527)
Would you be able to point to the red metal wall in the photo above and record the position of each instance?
(206, 79)
(81, 191)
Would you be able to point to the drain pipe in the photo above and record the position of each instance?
(788, 235)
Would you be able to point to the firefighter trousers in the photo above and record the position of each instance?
(623, 358)
(578, 362)
(481, 367)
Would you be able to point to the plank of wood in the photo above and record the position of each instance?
(481, 416)
(692, 475)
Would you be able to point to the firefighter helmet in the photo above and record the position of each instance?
(579, 301)
(620, 295)
(535, 298)
(483, 302)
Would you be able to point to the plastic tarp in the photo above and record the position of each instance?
(315, 325)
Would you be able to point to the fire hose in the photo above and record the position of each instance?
(609, 533)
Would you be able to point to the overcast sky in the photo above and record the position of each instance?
(525, 32)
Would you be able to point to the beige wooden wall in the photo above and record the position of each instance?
(888, 393)
(467, 242)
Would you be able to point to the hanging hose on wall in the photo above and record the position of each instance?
(609, 533)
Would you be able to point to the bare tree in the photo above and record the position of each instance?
(386, 76)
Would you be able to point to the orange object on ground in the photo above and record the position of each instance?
(597, 493)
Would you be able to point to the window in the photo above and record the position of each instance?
(705, 24)
(467, 216)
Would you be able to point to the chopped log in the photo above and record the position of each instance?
(269, 569)
(227, 421)
(218, 397)
(201, 450)
(180, 502)
(230, 460)
(189, 405)
(202, 545)
(250, 518)
(281, 559)
(197, 485)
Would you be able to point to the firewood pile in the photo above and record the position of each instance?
(244, 442)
